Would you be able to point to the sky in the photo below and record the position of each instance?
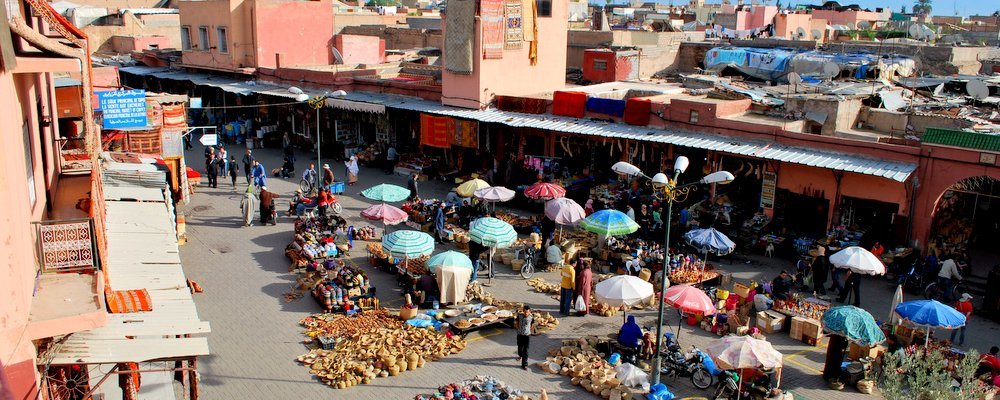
(939, 7)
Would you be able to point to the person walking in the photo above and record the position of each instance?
(820, 269)
(584, 281)
(223, 162)
(309, 176)
(248, 165)
(524, 324)
(835, 273)
(390, 159)
(328, 177)
(412, 185)
(352, 170)
(566, 291)
(439, 219)
(233, 170)
(212, 168)
(267, 205)
(947, 277)
(964, 306)
(852, 284)
(259, 174)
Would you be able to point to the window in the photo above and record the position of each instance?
(203, 38)
(223, 39)
(29, 165)
(601, 65)
(186, 38)
(693, 118)
(544, 8)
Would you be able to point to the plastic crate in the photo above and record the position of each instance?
(326, 342)
(337, 188)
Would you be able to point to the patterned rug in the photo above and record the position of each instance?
(513, 35)
(460, 36)
(492, 14)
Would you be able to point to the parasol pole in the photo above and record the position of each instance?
(927, 337)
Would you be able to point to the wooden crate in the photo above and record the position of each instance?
(812, 328)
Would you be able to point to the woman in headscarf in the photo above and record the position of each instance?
(589, 207)
(630, 335)
(584, 281)
(352, 170)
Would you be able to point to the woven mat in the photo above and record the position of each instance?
(460, 36)
(492, 15)
(513, 36)
(528, 20)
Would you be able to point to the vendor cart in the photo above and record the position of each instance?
(463, 332)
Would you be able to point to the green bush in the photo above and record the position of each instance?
(926, 378)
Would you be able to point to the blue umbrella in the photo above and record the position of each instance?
(930, 314)
(710, 241)
(449, 258)
(853, 323)
(609, 223)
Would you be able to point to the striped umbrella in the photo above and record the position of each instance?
(544, 191)
(469, 187)
(408, 244)
(609, 223)
(492, 232)
(386, 193)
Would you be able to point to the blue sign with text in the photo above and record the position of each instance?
(123, 108)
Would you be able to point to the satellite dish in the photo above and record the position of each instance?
(817, 34)
(831, 69)
(928, 33)
(337, 57)
(939, 90)
(864, 25)
(800, 33)
(915, 32)
(977, 89)
(794, 78)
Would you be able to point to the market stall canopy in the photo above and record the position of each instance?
(449, 258)
(853, 323)
(408, 244)
(930, 314)
(710, 241)
(609, 222)
(689, 299)
(564, 211)
(494, 194)
(384, 213)
(386, 193)
(544, 191)
(859, 260)
(623, 290)
(734, 352)
(492, 232)
(469, 187)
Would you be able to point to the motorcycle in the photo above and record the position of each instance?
(694, 364)
(729, 387)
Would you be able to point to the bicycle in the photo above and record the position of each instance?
(308, 186)
(528, 269)
(934, 291)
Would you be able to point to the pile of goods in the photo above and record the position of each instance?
(603, 310)
(346, 325)
(587, 368)
(679, 277)
(336, 285)
(375, 250)
(416, 266)
(366, 233)
(475, 291)
(363, 353)
(541, 286)
(517, 222)
(805, 308)
(478, 388)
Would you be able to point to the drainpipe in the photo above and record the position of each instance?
(21, 28)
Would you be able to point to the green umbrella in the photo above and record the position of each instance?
(853, 323)
(449, 258)
(386, 193)
(609, 223)
(408, 244)
(492, 232)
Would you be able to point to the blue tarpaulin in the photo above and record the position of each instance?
(775, 64)
(612, 107)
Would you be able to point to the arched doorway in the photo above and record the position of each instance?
(967, 222)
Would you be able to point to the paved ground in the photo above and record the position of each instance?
(255, 333)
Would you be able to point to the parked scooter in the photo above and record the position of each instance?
(729, 388)
(695, 364)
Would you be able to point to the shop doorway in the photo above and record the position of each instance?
(967, 222)
(801, 214)
(877, 219)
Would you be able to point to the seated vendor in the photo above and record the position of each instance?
(302, 202)
(630, 334)
(430, 288)
(781, 286)
(453, 199)
(553, 254)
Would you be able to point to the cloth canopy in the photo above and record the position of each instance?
(452, 282)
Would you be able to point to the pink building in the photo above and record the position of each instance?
(242, 35)
(46, 177)
(788, 26)
(746, 17)
(850, 18)
(510, 71)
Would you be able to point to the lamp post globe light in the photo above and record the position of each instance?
(671, 193)
(316, 103)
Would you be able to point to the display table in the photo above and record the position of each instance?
(811, 308)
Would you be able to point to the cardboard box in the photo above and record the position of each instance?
(795, 330)
(741, 290)
(770, 321)
(812, 328)
(857, 352)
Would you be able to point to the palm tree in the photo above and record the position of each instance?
(922, 7)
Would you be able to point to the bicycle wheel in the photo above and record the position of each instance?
(527, 269)
(931, 292)
(336, 208)
(306, 187)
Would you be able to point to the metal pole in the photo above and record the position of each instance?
(663, 284)
(319, 160)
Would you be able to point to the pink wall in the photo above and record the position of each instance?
(212, 14)
(760, 16)
(358, 49)
(849, 18)
(493, 77)
(786, 25)
(300, 31)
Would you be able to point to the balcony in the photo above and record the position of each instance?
(69, 294)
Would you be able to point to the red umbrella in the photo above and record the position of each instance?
(385, 213)
(544, 191)
(688, 299)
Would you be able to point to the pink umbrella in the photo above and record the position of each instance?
(688, 299)
(564, 211)
(544, 191)
(388, 214)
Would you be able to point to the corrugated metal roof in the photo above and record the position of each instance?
(897, 171)
(150, 11)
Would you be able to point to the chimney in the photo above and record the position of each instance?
(277, 60)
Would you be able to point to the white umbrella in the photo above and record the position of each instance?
(623, 290)
(494, 194)
(897, 298)
(859, 260)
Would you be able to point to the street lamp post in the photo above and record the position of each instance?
(672, 193)
(317, 103)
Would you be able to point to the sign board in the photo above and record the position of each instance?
(123, 108)
(988, 158)
(767, 188)
(209, 139)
